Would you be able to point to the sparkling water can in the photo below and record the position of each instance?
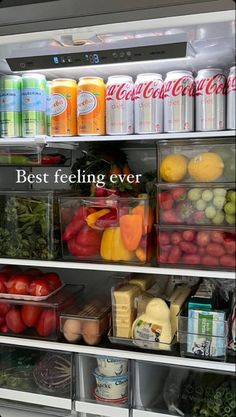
(33, 105)
(10, 106)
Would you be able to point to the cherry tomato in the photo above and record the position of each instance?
(30, 314)
(47, 323)
(53, 280)
(14, 321)
(4, 308)
(19, 284)
(39, 287)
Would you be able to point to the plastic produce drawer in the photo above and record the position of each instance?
(36, 376)
(106, 229)
(196, 160)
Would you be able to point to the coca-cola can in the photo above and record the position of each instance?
(148, 104)
(231, 98)
(119, 105)
(178, 93)
(211, 89)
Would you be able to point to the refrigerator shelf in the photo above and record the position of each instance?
(110, 351)
(42, 400)
(103, 409)
(119, 268)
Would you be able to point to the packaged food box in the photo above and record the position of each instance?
(36, 371)
(88, 319)
(29, 225)
(196, 160)
(203, 247)
(35, 319)
(203, 334)
(107, 229)
(200, 204)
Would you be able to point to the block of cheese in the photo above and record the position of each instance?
(124, 309)
(177, 299)
(143, 283)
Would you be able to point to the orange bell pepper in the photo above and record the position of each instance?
(131, 230)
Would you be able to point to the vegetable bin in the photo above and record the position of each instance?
(107, 229)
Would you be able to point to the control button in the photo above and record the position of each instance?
(63, 60)
(22, 65)
(122, 54)
(128, 53)
(69, 59)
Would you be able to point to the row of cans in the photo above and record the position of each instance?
(30, 106)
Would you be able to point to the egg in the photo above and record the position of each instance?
(91, 333)
(72, 330)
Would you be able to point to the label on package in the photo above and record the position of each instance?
(33, 99)
(147, 331)
(10, 101)
(58, 104)
(86, 102)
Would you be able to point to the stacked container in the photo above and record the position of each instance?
(196, 203)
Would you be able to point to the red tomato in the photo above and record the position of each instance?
(14, 321)
(39, 288)
(53, 280)
(4, 329)
(2, 321)
(4, 277)
(11, 269)
(30, 314)
(4, 308)
(47, 323)
(34, 272)
(18, 284)
(3, 288)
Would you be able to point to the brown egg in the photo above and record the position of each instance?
(91, 333)
(72, 330)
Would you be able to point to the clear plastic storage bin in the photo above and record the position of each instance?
(33, 155)
(36, 319)
(203, 247)
(201, 204)
(29, 225)
(196, 160)
(107, 229)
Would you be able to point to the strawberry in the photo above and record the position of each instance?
(178, 194)
(189, 235)
(174, 255)
(162, 257)
(203, 238)
(199, 217)
(208, 260)
(201, 251)
(165, 248)
(165, 200)
(185, 210)
(175, 238)
(169, 216)
(188, 247)
(228, 260)
(215, 249)
(193, 259)
(230, 245)
(164, 238)
(217, 237)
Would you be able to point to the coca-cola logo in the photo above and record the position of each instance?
(183, 86)
(231, 83)
(212, 85)
(148, 90)
(119, 92)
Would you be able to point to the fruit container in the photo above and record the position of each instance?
(29, 225)
(87, 320)
(196, 247)
(38, 320)
(41, 372)
(196, 160)
(199, 339)
(201, 204)
(33, 155)
(110, 229)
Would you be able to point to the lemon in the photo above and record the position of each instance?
(173, 168)
(207, 166)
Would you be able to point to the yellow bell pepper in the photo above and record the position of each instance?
(112, 246)
(92, 218)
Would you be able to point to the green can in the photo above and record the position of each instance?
(33, 105)
(48, 108)
(10, 106)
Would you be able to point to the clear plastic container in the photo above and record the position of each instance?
(201, 204)
(107, 229)
(196, 247)
(42, 372)
(29, 225)
(204, 343)
(38, 320)
(86, 320)
(33, 155)
(196, 160)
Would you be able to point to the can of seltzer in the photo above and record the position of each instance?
(48, 107)
(10, 106)
(33, 105)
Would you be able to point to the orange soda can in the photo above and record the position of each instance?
(63, 107)
(91, 106)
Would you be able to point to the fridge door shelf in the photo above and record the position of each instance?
(101, 409)
(143, 344)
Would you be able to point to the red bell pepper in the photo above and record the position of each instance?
(76, 223)
(86, 243)
(108, 220)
